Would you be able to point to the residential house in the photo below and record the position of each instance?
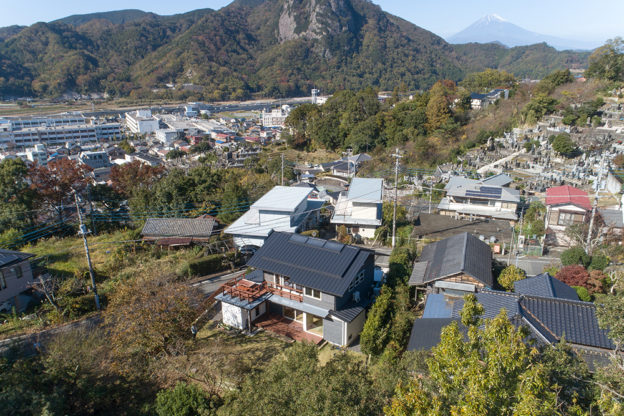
(283, 208)
(456, 265)
(360, 208)
(179, 231)
(549, 308)
(486, 198)
(612, 220)
(565, 206)
(305, 287)
(16, 276)
(95, 160)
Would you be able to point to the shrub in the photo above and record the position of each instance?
(185, 400)
(575, 255)
(311, 233)
(510, 275)
(573, 275)
(598, 262)
(582, 293)
(202, 266)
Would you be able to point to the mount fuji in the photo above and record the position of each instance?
(493, 28)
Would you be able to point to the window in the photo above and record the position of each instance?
(18, 272)
(567, 218)
(358, 279)
(313, 293)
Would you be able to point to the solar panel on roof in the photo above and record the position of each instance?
(491, 190)
(316, 242)
(334, 246)
(298, 238)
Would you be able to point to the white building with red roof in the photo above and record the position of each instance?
(565, 206)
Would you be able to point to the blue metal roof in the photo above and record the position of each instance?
(437, 307)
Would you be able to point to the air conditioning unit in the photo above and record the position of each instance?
(356, 296)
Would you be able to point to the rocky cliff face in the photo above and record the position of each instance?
(313, 19)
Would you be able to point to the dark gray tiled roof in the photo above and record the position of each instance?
(493, 301)
(557, 318)
(327, 266)
(462, 253)
(426, 333)
(498, 180)
(351, 311)
(8, 257)
(179, 227)
(545, 285)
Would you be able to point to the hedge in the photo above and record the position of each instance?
(203, 266)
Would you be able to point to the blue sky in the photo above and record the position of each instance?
(575, 19)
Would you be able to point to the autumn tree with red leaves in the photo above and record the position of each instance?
(54, 183)
(125, 178)
(574, 275)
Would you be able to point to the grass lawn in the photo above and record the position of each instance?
(328, 351)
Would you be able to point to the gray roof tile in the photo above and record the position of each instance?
(8, 257)
(179, 227)
(545, 285)
(462, 253)
(426, 332)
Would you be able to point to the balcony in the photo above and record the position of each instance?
(249, 291)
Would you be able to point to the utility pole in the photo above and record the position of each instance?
(282, 169)
(588, 248)
(83, 232)
(430, 194)
(396, 183)
(520, 233)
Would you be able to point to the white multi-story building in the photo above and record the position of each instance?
(166, 136)
(283, 208)
(141, 122)
(95, 160)
(487, 198)
(276, 117)
(359, 209)
(54, 130)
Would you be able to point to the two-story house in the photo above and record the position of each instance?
(469, 198)
(359, 209)
(565, 206)
(309, 286)
(16, 275)
(283, 208)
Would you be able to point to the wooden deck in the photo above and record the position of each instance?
(289, 328)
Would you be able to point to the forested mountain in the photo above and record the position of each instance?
(534, 61)
(250, 48)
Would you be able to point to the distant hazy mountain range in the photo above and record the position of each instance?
(251, 48)
(493, 28)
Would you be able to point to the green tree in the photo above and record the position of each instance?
(16, 197)
(510, 275)
(297, 384)
(494, 372)
(376, 332)
(175, 154)
(388, 214)
(186, 400)
(610, 379)
(607, 62)
(564, 145)
(575, 255)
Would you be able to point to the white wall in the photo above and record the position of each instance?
(233, 316)
(240, 241)
(367, 211)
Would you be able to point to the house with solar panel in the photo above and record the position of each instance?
(16, 276)
(304, 288)
(359, 209)
(487, 198)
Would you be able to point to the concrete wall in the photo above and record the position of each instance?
(361, 210)
(234, 316)
(333, 330)
(14, 284)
